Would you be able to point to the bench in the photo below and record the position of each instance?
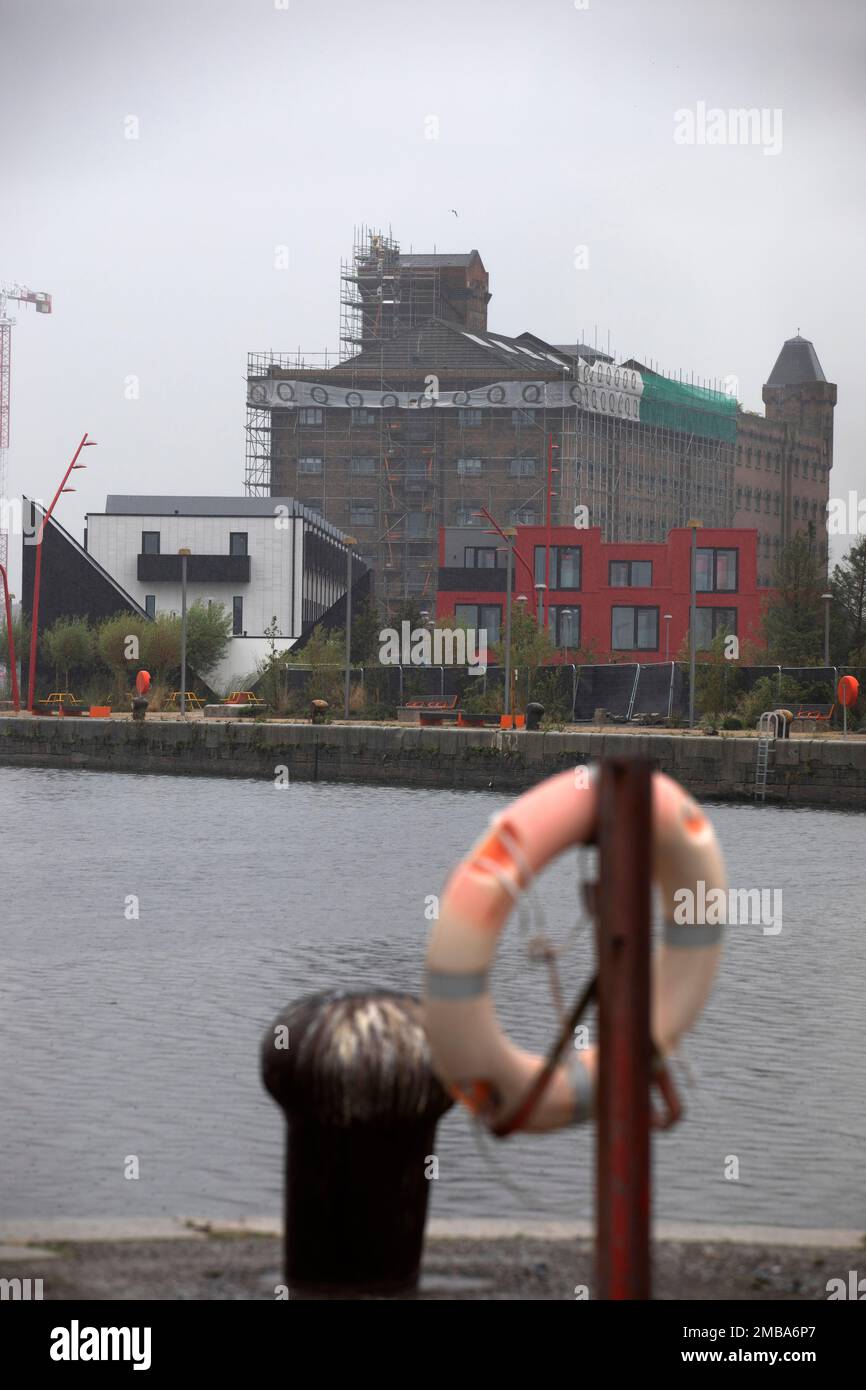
(429, 711)
(812, 714)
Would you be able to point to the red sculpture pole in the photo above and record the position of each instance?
(12, 663)
(34, 635)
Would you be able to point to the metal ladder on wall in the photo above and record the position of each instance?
(768, 731)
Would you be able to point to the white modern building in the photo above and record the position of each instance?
(262, 558)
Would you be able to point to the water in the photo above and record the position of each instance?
(126, 1037)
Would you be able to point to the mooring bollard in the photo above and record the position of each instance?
(534, 715)
(318, 710)
(139, 707)
(352, 1072)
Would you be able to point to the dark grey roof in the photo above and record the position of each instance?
(796, 364)
(434, 258)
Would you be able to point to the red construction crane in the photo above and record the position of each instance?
(20, 295)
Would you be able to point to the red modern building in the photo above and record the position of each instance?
(626, 601)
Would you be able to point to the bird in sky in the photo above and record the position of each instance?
(454, 210)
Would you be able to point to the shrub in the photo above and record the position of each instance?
(731, 721)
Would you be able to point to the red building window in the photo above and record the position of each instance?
(634, 629)
(716, 571)
(564, 566)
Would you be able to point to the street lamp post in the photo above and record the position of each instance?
(184, 556)
(668, 617)
(510, 534)
(693, 621)
(828, 599)
(540, 592)
(350, 541)
(565, 618)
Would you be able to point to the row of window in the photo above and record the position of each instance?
(801, 467)
(315, 415)
(632, 628)
(237, 609)
(238, 543)
(368, 465)
(715, 568)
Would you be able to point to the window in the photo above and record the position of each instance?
(416, 466)
(310, 415)
(480, 617)
(564, 566)
(316, 505)
(238, 543)
(522, 516)
(565, 625)
(467, 514)
(797, 508)
(634, 629)
(469, 418)
(150, 605)
(630, 574)
(776, 501)
(362, 513)
(237, 616)
(716, 571)
(364, 463)
(310, 465)
(469, 468)
(150, 542)
(479, 557)
(417, 525)
(522, 468)
(709, 622)
(362, 416)
(748, 499)
(522, 417)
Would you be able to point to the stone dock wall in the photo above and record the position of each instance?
(803, 771)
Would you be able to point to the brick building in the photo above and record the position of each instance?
(611, 599)
(430, 416)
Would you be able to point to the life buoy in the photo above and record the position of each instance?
(471, 1055)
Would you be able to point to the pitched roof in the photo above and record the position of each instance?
(796, 364)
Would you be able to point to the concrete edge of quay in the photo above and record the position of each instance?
(21, 1234)
(803, 771)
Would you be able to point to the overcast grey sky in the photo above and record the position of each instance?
(263, 124)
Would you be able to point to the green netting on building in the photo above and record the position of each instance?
(690, 409)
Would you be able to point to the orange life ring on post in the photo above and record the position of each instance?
(471, 1054)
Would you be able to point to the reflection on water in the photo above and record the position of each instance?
(124, 1036)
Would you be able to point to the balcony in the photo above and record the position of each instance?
(200, 569)
(453, 579)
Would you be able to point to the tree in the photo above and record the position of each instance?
(366, 626)
(848, 613)
(792, 620)
(208, 633)
(160, 647)
(68, 645)
(325, 653)
(119, 642)
(20, 636)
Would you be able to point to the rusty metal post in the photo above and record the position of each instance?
(625, 1050)
(352, 1073)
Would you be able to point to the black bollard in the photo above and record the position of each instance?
(534, 715)
(352, 1073)
(139, 707)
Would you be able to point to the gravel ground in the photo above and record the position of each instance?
(248, 1267)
